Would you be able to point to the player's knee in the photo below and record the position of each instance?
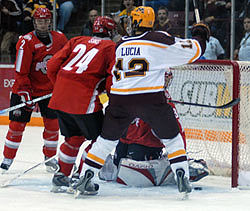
(51, 124)
(17, 126)
(75, 141)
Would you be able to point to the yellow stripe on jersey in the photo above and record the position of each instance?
(137, 89)
(177, 153)
(95, 158)
(197, 52)
(144, 43)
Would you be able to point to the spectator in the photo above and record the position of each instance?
(214, 49)
(176, 5)
(66, 7)
(29, 10)
(157, 4)
(242, 53)
(88, 27)
(216, 15)
(162, 21)
(122, 19)
(10, 15)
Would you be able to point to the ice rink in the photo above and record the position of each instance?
(31, 192)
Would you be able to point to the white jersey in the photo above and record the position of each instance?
(213, 49)
(142, 61)
(244, 51)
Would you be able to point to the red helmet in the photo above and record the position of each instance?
(42, 13)
(103, 25)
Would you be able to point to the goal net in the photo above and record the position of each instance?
(219, 136)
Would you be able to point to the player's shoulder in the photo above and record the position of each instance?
(96, 41)
(27, 40)
(160, 37)
(29, 36)
(57, 33)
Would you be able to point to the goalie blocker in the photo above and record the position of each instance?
(148, 173)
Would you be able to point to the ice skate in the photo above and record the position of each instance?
(5, 165)
(183, 183)
(52, 165)
(85, 186)
(73, 181)
(60, 183)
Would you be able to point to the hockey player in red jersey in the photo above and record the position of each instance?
(77, 72)
(138, 91)
(33, 52)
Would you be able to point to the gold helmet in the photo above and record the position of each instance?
(143, 17)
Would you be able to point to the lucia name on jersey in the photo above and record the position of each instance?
(131, 51)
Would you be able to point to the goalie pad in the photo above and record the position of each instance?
(108, 171)
(145, 173)
(148, 173)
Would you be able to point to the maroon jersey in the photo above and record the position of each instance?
(77, 71)
(139, 132)
(31, 61)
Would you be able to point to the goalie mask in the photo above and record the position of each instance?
(104, 26)
(141, 19)
(42, 20)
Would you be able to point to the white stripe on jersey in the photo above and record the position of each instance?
(19, 60)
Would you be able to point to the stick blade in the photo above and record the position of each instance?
(231, 103)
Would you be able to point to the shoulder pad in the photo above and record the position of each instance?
(27, 37)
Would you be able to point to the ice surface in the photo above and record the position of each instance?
(31, 192)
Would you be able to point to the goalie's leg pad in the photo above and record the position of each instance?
(68, 153)
(50, 136)
(109, 170)
(145, 173)
(198, 169)
(13, 139)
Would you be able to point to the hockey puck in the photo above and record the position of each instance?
(197, 188)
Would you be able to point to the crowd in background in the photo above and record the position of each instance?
(16, 20)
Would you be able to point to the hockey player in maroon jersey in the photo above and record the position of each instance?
(77, 72)
(138, 91)
(33, 52)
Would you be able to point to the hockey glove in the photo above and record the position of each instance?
(27, 99)
(201, 29)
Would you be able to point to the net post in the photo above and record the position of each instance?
(235, 125)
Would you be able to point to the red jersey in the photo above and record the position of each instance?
(141, 133)
(31, 63)
(77, 71)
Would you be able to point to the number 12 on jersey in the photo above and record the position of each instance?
(142, 63)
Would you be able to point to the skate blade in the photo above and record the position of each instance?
(5, 184)
(183, 196)
(59, 189)
(70, 190)
(78, 194)
(50, 169)
(3, 171)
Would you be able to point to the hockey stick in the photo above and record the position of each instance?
(227, 105)
(6, 183)
(23, 104)
(196, 12)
